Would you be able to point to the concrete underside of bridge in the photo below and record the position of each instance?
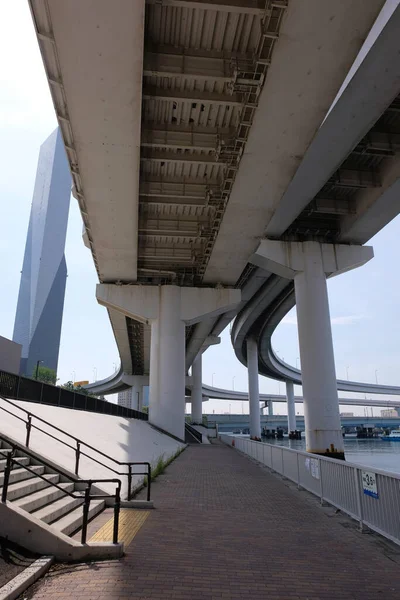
(186, 125)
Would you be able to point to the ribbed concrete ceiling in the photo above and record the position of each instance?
(230, 95)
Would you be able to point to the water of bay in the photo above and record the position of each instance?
(369, 453)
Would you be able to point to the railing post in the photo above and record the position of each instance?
(28, 430)
(7, 471)
(359, 498)
(149, 482)
(321, 486)
(86, 506)
(77, 457)
(298, 471)
(129, 481)
(117, 507)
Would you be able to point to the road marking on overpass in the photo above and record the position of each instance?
(130, 522)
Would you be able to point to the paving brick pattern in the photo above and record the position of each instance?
(226, 529)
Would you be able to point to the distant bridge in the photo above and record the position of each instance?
(233, 422)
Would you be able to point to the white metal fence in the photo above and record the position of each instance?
(371, 496)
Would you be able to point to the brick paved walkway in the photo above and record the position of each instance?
(226, 529)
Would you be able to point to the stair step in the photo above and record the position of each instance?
(23, 460)
(56, 510)
(28, 486)
(73, 520)
(22, 474)
(39, 499)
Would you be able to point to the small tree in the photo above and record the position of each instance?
(45, 374)
(68, 386)
(77, 388)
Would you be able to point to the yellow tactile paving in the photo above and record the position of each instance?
(130, 521)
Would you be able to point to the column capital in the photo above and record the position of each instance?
(142, 302)
(288, 258)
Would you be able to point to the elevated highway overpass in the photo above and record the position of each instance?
(195, 130)
(229, 423)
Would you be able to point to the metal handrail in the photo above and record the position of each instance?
(86, 498)
(196, 434)
(77, 449)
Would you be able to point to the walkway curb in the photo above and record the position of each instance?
(21, 582)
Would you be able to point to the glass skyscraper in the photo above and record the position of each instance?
(44, 272)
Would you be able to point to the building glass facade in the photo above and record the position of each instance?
(44, 272)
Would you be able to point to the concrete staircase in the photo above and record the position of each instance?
(37, 496)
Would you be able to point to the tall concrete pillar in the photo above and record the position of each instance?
(167, 400)
(270, 408)
(135, 397)
(197, 397)
(254, 396)
(309, 263)
(291, 408)
(137, 383)
(321, 405)
(168, 309)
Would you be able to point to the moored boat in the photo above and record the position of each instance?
(394, 436)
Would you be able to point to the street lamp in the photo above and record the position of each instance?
(233, 382)
(376, 376)
(212, 379)
(37, 368)
(73, 376)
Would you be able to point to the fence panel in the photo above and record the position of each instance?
(29, 389)
(9, 384)
(268, 455)
(277, 462)
(290, 465)
(339, 486)
(382, 514)
(259, 449)
(309, 476)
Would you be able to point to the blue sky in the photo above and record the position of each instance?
(364, 303)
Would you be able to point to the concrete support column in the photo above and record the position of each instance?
(321, 405)
(291, 408)
(140, 399)
(309, 264)
(137, 383)
(167, 365)
(135, 397)
(168, 309)
(197, 398)
(254, 396)
(270, 408)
